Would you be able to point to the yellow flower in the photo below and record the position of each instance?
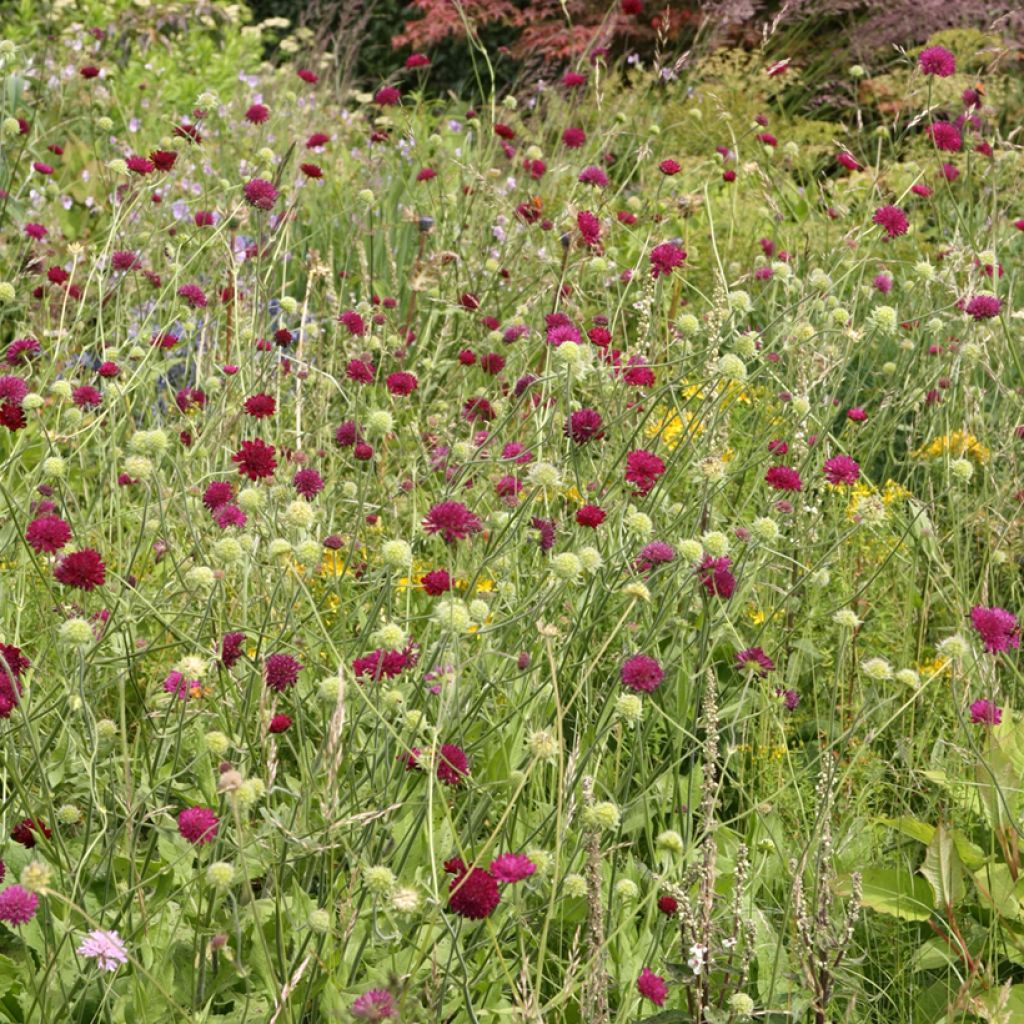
(959, 443)
(755, 615)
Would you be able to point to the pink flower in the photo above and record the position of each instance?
(281, 671)
(841, 469)
(892, 219)
(642, 470)
(17, 905)
(452, 765)
(512, 867)
(106, 948)
(452, 520)
(665, 258)
(377, 1004)
(783, 478)
(198, 825)
(985, 712)
(260, 193)
(642, 673)
(945, 136)
(715, 576)
(937, 60)
(983, 307)
(998, 628)
(652, 986)
(756, 660)
(593, 175)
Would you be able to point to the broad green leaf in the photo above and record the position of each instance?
(944, 869)
(894, 892)
(996, 888)
(910, 827)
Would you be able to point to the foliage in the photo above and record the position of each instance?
(558, 560)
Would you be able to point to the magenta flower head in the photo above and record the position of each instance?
(983, 307)
(985, 712)
(715, 576)
(593, 175)
(892, 219)
(665, 258)
(783, 478)
(260, 193)
(17, 905)
(998, 628)
(255, 459)
(82, 569)
(47, 533)
(652, 986)
(377, 1004)
(473, 894)
(642, 673)
(584, 425)
(198, 825)
(280, 671)
(452, 765)
(642, 470)
(841, 469)
(755, 660)
(937, 60)
(452, 520)
(512, 867)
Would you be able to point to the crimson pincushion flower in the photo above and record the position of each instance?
(715, 576)
(945, 136)
(280, 671)
(985, 712)
(642, 470)
(452, 520)
(436, 582)
(754, 659)
(998, 628)
(255, 459)
(12, 664)
(593, 175)
(590, 227)
(452, 765)
(17, 905)
(573, 138)
(936, 60)
(665, 258)
(82, 569)
(783, 478)
(85, 396)
(584, 425)
(47, 533)
(24, 832)
(591, 516)
(217, 493)
(198, 825)
(231, 648)
(892, 219)
(260, 406)
(401, 383)
(642, 673)
(512, 867)
(260, 193)
(308, 482)
(841, 469)
(474, 894)
(652, 986)
(983, 307)
(193, 295)
(257, 113)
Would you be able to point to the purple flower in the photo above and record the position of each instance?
(642, 673)
(841, 469)
(937, 60)
(107, 948)
(983, 307)
(715, 576)
(756, 660)
(377, 1004)
(985, 712)
(17, 905)
(998, 628)
(512, 867)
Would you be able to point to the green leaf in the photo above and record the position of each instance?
(894, 892)
(996, 888)
(944, 869)
(668, 1017)
(910, 827)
